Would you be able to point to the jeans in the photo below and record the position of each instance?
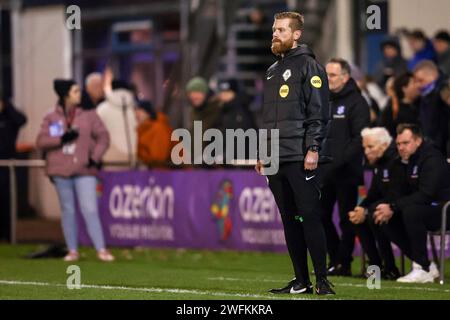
(84, 187)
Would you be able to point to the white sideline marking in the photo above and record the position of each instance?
(339, 284)
(151, 290)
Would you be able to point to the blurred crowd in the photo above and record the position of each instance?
(400, 112)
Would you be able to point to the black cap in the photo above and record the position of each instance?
(62, 87)
(120, 84)
(228, 84)
(147, 106)
(442, 35)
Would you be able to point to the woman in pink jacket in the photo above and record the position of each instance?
(74, 141)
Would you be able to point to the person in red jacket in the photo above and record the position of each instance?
(74, 141)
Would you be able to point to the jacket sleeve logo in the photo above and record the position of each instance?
(316, 82)
(284, 91)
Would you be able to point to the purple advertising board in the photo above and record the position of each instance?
(198, 209)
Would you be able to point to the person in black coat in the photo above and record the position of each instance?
(402, 107)
(10, 122)
(407, 219)
(350, 114)
(296, 105)
(433, 111)
(386, 186)
(392, 63)
(235, 113)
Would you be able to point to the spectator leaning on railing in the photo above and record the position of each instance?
(74, 141)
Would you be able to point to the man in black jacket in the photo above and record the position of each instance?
(10, 122)
(350, 114)
(296, 104)
(428, 187)
(433, 112)
(388, 183)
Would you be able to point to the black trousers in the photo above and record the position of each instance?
(376, 243)
(5, 221)
(298, 201)
(408, 229)
(345, 193)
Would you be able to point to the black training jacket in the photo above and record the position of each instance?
(349, 115)
(388, 181)
(428, 178)
(296, 102)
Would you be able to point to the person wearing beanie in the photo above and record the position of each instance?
(205, 107)
(197, 84)
(74, 141)
(118, 114)
(392, 63)
(441, 43)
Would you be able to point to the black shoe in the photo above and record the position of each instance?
(339, 271)
(323, 287)
(294, 287)
(392, 274)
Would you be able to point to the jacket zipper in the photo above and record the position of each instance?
(277, 100)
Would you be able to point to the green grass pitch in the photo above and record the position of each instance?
(181, 274)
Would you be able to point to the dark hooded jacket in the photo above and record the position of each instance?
(296, 103)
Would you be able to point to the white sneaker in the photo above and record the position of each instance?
(417, 275)
(434, 271)
(72, 256)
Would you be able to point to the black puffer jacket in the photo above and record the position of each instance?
(296, 103)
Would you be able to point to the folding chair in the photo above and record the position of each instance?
(442, 232)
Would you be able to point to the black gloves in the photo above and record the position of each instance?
(69, 136)
(94, 164)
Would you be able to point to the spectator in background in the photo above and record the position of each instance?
(350, 114)
(10, 122)
(433, 112)
(118, 114)
(403, 104)
(445, 95)
(422, 48)
(74, 141)
(235, 113)
(154, 135)
(362, 83)
(93, 93)
(441, 43)
(392, 63)
(205, 107)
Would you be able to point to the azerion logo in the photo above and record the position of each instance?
(220, 209)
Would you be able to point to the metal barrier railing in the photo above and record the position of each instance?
(12, 164)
